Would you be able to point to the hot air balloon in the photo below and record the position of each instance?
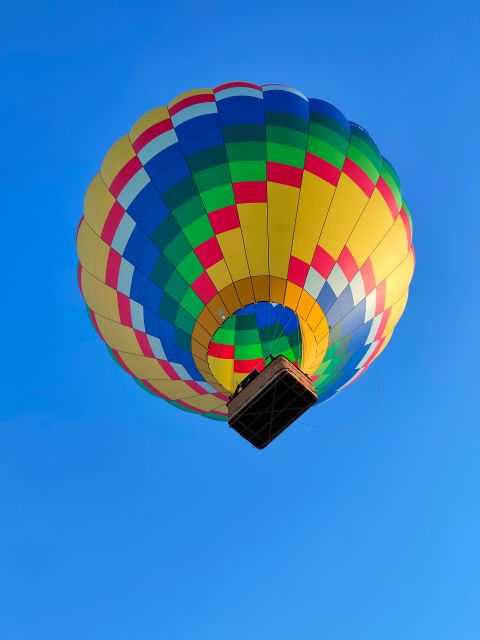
(239, 223)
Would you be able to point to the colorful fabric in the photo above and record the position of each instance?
(239, 220)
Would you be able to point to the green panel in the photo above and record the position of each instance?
(244, 132)
(365, 145)
(363, 162)
(185, 322)
(329, 136)
(166, 231)
(246, 336)
(162, 271)
(176, 286)
(286, 155)
(207, 158)
(225, 336)
(289, 137)
(218, 198)
(248, 351)
(327, 152)
(177, 248)
(286, 121)
(329, 123)
(168, 308)
(189, 211)
(248, 171)
(391, 178)
(180, 193)
(192, 303)
(190, 267)
(199, 231)
(249, 151)
(182, 339)
(212, 177)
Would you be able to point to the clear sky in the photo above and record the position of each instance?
(123, 518)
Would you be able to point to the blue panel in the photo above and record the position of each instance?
(141, 251)
(359, 337)
(173, 353)
(241, 110)
(145, 291)
(264, 313)
(354, 319)
(148, 208)
(287, 102)
(151, 321)
(341, 308)
(165, 332)
(327, 109)
(191, 368)
(199, 133)
(326, 297)
(167, 168)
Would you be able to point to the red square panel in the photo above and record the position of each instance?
(347, 263)
(224, 219)
(204, 287)
(368, 276)
(322, 262)
(209, 252)
(297, 271)
(247, 192)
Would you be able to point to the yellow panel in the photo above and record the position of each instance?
(305, 304)
(395, 314)
(282, 210)
(148, 120)
(200, 337)
(390, 252)
(208, 402)
(117, 157)
(244, 289)
(314, 349)
(315, 316)
(373, 224)
(174, 389)
(220, 275)
(118, 336)
(277, 290)
(347, 205)
(315, 198)
(292, 295)
(253, 220)
(219, 309)
(233, 249)
(188, 94)
(143, 367)
(231, 300)
(92, 251)
(398, 281)
(222, 369)
(322, 331)
(99, 297)
(97, 205)
(261, 288)
(322, 348)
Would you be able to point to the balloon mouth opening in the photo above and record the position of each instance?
(249, 336)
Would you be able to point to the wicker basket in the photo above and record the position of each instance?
(274, 399)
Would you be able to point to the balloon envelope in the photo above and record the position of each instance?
(239, 222)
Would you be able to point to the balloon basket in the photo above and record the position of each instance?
(267, 402)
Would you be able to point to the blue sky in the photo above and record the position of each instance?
(122, 518)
